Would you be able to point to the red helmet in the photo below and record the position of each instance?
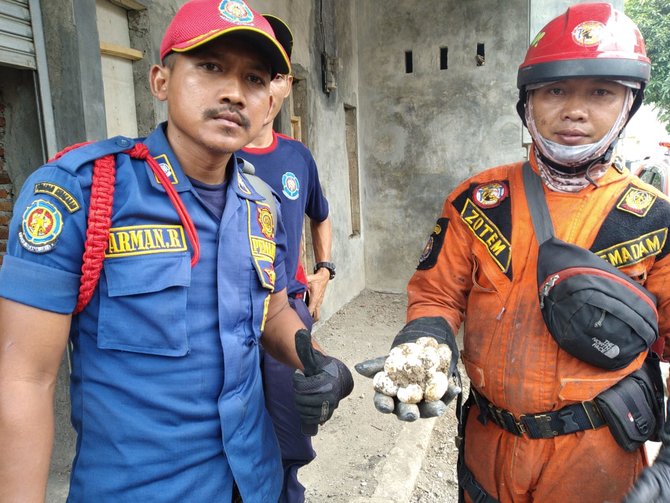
(588, 40)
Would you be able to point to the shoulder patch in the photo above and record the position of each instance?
(488, 233)
(485, 208)
(41, 225)
(635, 228)
(636, 201)
(59, 193)
(432, 249)
(490, 194)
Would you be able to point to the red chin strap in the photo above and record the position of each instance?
(100, 216)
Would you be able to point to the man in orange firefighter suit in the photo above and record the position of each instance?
(533, 432)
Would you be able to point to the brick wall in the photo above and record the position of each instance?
(6, 189)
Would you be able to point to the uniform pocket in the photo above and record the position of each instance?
(143, 304)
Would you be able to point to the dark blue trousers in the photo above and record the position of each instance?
(296, 447)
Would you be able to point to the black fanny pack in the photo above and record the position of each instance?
(633, 408)
(592, 310)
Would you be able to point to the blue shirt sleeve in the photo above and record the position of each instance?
(47, 232)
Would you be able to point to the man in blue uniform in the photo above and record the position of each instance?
(165, 312)
(289, 168)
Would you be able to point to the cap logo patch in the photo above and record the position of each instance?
(266, 222)
(235, 11)
(41, 226)
(636, 202)
(588, 33)
(489, 195)
(290, 185)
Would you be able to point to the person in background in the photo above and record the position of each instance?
(289, 168)
(165, 279)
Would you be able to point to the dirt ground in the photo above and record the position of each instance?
(353, 446)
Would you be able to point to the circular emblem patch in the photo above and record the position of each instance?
(427, 249)
(42, 224)
(266, 222)
(235, 11)
(489, 195)
(588, 33)
(290, 185)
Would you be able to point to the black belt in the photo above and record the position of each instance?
(576, 417)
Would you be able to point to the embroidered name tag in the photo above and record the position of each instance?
(486, 231)
(145, 240)
(635, 250)
(68, 200)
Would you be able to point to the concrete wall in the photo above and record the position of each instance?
(424, 132)
(317, 26)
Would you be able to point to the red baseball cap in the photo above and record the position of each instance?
(200, 21)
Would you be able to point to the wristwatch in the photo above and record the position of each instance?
(326, 265)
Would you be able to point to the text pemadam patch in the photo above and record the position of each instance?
(635, 250)
(261, 241)
(41, 225)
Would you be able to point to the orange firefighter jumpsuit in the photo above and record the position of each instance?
(479, 267)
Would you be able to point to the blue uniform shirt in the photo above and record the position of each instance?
(289, 168)
(167, 396)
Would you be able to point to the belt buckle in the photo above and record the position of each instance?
(519, 424)
(543, 424)
(588, 415)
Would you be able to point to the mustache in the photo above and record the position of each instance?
(213, 113)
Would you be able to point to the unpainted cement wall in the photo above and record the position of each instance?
(425, 131)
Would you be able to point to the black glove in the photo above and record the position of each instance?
(438, 329)
(653, 484)
(319, 389)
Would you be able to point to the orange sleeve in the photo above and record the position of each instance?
(440, 286)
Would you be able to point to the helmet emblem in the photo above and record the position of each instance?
(588, 33)
(537, 39)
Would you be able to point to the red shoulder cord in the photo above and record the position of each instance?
(100, 216)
